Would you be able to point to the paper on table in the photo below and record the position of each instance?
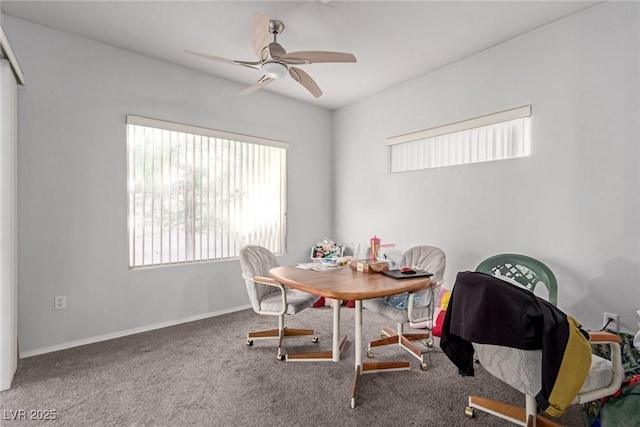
(316, 266)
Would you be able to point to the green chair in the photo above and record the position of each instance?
(521, 369)
(527, 271)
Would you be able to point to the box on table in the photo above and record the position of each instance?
(369, 266)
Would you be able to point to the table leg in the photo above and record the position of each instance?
(358, 340)
(369, 367)
(336, 331)
(324, 356)
(358, 346)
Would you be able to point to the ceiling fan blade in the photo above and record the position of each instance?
(259, 32)
(305, 80)
(313, 57)
(276, 50)
(225, 60)
(263, 81)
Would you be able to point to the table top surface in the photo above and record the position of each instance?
(346, 284)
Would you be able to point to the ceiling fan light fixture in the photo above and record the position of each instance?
(274, 70)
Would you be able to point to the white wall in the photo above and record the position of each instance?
(72, 185)
(572, 204)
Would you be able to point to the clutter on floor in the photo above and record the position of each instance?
(623, 407)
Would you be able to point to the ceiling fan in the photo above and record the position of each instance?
(274, 61)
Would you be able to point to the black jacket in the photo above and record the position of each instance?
(486, 310)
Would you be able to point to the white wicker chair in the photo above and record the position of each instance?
(270, 298)
(427, 258)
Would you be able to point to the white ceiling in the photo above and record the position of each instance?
(393, 41)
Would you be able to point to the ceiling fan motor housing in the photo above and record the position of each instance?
(274, 70)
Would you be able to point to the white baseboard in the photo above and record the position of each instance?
(76, 343)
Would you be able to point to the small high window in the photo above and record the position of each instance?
(498, 136)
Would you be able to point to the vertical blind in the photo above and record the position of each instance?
(503, 135)
(197, 194)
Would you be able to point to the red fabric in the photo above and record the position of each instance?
(319, 303)
(437, 328)
(322, 302)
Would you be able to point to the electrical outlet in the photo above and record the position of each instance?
(613, 320)
(59, 302)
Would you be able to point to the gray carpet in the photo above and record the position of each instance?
(203, 374)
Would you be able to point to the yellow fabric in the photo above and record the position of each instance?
(444, 302)
(576, 362)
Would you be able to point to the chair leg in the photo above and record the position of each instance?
(389, 332)
(413, 337)
(411, 348)
(531, 409)
(404, 341)
(514, 414)
(281, 333)
(416, 337)
(383, 341)
(280, 356)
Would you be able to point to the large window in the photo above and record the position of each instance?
(196, 194)
(503, 135)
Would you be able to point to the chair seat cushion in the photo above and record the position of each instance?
(380, 306)
(296, 301)
(522, 369)
(600, 374)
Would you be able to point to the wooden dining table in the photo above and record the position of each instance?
(346, 284)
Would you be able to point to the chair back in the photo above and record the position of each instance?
(431, 259)
(427, 258)
(257, 261)
(525, 270)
